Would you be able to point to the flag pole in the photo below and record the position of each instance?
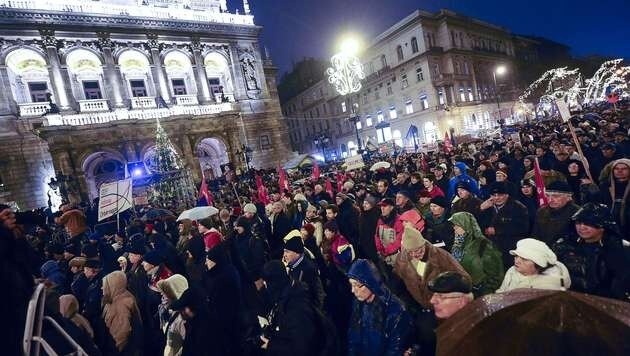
(579, 149)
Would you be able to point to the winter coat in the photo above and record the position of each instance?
(212, 238)
(69, 308)
(222, 285)
(439, 229)
(531, 203)
(304, 271)
(388, 238)
(469, 205)
(348, 220)
(280, 227)
(477, 255)
(201, 338)
(554, 278)
(437, 261)
(51, 271)
(336, 250)
(510, 223)
(172, 322)
(252, 252)
(367, 229)
(552, 224)
(381, 327)
(599, 268)
(120, 311)
(91, 307)
(617, 196)
(462, 178)
(293, 328)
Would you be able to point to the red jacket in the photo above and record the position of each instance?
(388, 238)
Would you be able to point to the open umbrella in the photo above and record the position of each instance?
(198, 213)
(156, 214)
(381, 164)
(537, 322)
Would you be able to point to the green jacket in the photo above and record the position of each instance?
(480, 258)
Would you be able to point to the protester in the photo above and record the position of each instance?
(553, 221)
(301, 269)
(171, 322)
(451, 293)
(121, 314)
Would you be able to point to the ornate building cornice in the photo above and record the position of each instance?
(60, 20)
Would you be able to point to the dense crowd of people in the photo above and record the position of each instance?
(364, 262)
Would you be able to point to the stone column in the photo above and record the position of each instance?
(203, 92)
(158, 69)
(189, 155)
(49, 42)
(8, 104)
(237, 74)
(110, 72)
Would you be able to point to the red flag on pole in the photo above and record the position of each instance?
(283, 182)
(263, 197)
(204, 193)
(329, 188)
(448, 145)
(341, 178)
(316, 173)
(540, 185)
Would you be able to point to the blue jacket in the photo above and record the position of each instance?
(381, 327)
(465, 178)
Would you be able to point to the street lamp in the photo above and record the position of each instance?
(321, 141)
(346, 74)
(499, 70)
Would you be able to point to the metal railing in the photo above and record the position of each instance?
(33, 342)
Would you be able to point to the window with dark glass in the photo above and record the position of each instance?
(92, 90)
(414, 45)
(179, 87)
(38, 91)
(138, 88)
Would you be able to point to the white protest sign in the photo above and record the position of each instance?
(114, 198)
(354, 162)
(563, 108)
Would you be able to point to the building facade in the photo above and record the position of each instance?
(82, 84)
(435, 71)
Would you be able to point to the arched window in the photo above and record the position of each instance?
(414, 45)
(399, 52)
(383, 61)
(86, 74)
(219, 77)
(180, 74)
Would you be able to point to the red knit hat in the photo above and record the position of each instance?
(309, 228)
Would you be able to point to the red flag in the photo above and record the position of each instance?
(329, 188)
(423, 163)
(204, 192)
(448, 145)
(283, 182)
(316, 173)
(263, 197)
(341, 177)
(540, 185)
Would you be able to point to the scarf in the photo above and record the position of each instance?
(458, 248)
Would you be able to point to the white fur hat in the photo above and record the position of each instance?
(536, 251)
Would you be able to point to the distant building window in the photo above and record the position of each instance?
(424, 101)
(462, 95)
(399, 52)
(379, 116)
(359, 125)
(179, 86)
(456, 67)
(419, 74)
(403, 80)
(471, 97)
(38, 91)
(414, 45)
(368, 121)
(389, 89)
(441, 97)
(265, 142)
(408, 107)
(138, 89)
(392, 113)
(92, 90)
(343, 106)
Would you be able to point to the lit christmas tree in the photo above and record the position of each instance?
(172, 185)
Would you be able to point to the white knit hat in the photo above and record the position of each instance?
(536, 251)
(250, 208)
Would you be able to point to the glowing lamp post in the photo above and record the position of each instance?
(500, 70)
(346, 74)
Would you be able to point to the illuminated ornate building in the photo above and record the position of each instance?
(110, 68)
(430, 70)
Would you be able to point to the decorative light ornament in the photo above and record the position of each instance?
(611, 76)
(346, 73)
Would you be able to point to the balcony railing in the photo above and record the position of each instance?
(186, 100)
(100, 8)
(33, 109)
(143, 102)
(92, 118)
(94, 105)
(219, 99)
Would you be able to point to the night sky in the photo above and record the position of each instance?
(294, 29)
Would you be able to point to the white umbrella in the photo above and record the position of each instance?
(381, 164)
(198, 213)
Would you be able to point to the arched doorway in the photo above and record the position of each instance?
(212, 153)
(102, 167)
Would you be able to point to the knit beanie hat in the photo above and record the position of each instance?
(412, 239)
(440, 201)
(173, 287)
(207, 223)
(153, 257)
(89, 251)
(250, 208)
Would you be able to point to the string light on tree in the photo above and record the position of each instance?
(611, 76)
